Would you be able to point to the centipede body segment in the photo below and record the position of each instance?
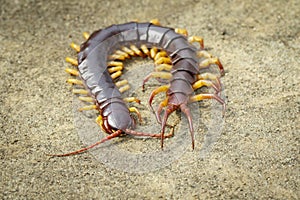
(177, 60)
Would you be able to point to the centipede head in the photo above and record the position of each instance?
(120, 120)
(178, 101)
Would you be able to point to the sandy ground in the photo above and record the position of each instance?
(256, 155)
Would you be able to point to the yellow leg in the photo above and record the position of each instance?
(86, 35)
(204, 54)
(116, 74)
(72, 61)
(99, 121)
(161, 60)
(161, 67)
(207, 62)
(73, 72)
(201, 83)
(155, 22)
(74, 46)
(90, 107)
(181, 31)
(207, 83)
(163, 104)
(114, 69)
(145, 50)
(158, 90)
(163, 75)
(134, 109)
(136, 50)
(80, 91)
(200, 97)
(206, 76)
(160, 55)
(122, 53)
(87, 99)
(132, 99)
(129, 51)
(74, 81)
(153, 52)
(116, 57)
(197, 39)
(114, 64)
(210, 76)
(124, 88)
(121, 83)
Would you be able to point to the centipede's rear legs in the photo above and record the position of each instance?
(185, 109)
(168, 111)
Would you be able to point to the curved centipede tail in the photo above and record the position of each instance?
(113, 135)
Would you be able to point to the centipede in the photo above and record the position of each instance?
(177, 61)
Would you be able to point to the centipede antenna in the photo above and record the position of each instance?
(109, 137)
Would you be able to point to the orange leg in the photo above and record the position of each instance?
(74, 46)
(136, 50)
(207, 83)
(161, 67)
(89, 107)
(86, 35)
(158, 90)
(181, 31)
(197, 39)
(153, 52)
(134, 109)
(75, 81)
(155, 22)
(128, 51)
(145, 50)
(72, 61)
(159, 55)
(210, 76)
(132, 99)
(161, 60)
(209, 61)
(73, 72)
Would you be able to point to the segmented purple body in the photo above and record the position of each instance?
(92, 60)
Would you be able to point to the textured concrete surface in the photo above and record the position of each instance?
(256, 155)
